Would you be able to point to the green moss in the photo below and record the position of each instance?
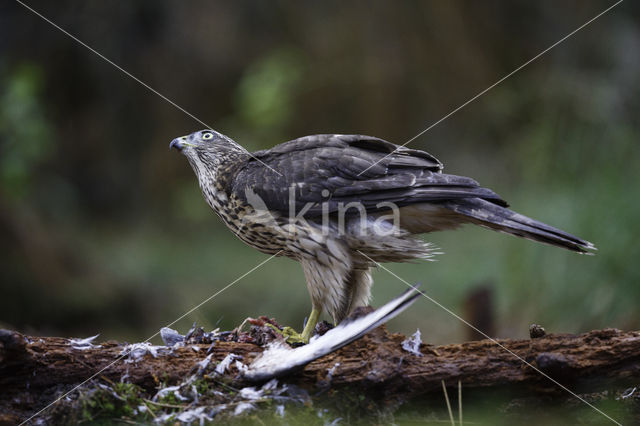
(169, 398)
(117, 401)
(202, 386)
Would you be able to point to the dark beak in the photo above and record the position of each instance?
(177, 143)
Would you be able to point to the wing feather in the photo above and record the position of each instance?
(339, 169)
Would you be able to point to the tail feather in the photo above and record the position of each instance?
(490, 215)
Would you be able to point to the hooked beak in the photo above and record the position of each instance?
(178, 143)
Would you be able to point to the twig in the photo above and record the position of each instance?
(106, 379)
(144, 401)
(224, 385)
(128, 422)
(162, 404)
(460, 402)
(446, 397)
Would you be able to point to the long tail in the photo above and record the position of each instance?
(490, 215)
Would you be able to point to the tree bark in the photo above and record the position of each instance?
(33, 370)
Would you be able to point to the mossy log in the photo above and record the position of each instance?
(34, 370)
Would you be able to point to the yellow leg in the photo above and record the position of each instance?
(310, 326)
(294, 337)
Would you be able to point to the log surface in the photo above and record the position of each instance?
(33, 370)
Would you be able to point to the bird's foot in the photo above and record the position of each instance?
(291, 336)
(298, 339)
(294, 338)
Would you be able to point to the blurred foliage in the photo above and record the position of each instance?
(104, 230)
(26, 134)
(264, 94)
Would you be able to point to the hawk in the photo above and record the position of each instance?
(339, 204)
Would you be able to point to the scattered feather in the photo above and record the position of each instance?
(627, 393)
(225, 363)
(241, 367)
(136, 351)
(170, 389)
(332, 370)
(189, 416)
(270, 388)
(412, 344)
(196, 394)
(170, 336)
(202, 365)
(243, 407)
(82, 344)
(191, 331)
(271, 385)
(251, 393)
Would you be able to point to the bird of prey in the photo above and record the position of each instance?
(339, 204)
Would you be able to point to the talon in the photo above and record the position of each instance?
(294, 338)
(290, 335)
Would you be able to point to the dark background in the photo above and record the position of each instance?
(103, 229)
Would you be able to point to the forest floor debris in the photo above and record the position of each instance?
(379, 378)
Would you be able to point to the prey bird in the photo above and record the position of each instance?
(339, 204)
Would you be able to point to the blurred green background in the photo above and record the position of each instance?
(103, 229)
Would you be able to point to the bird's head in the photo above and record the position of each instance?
(204, 141)
(207, 150)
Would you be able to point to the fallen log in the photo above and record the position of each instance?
(36, 370)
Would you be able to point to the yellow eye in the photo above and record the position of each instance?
(207, 136)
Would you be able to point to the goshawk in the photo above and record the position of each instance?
(339, 204)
